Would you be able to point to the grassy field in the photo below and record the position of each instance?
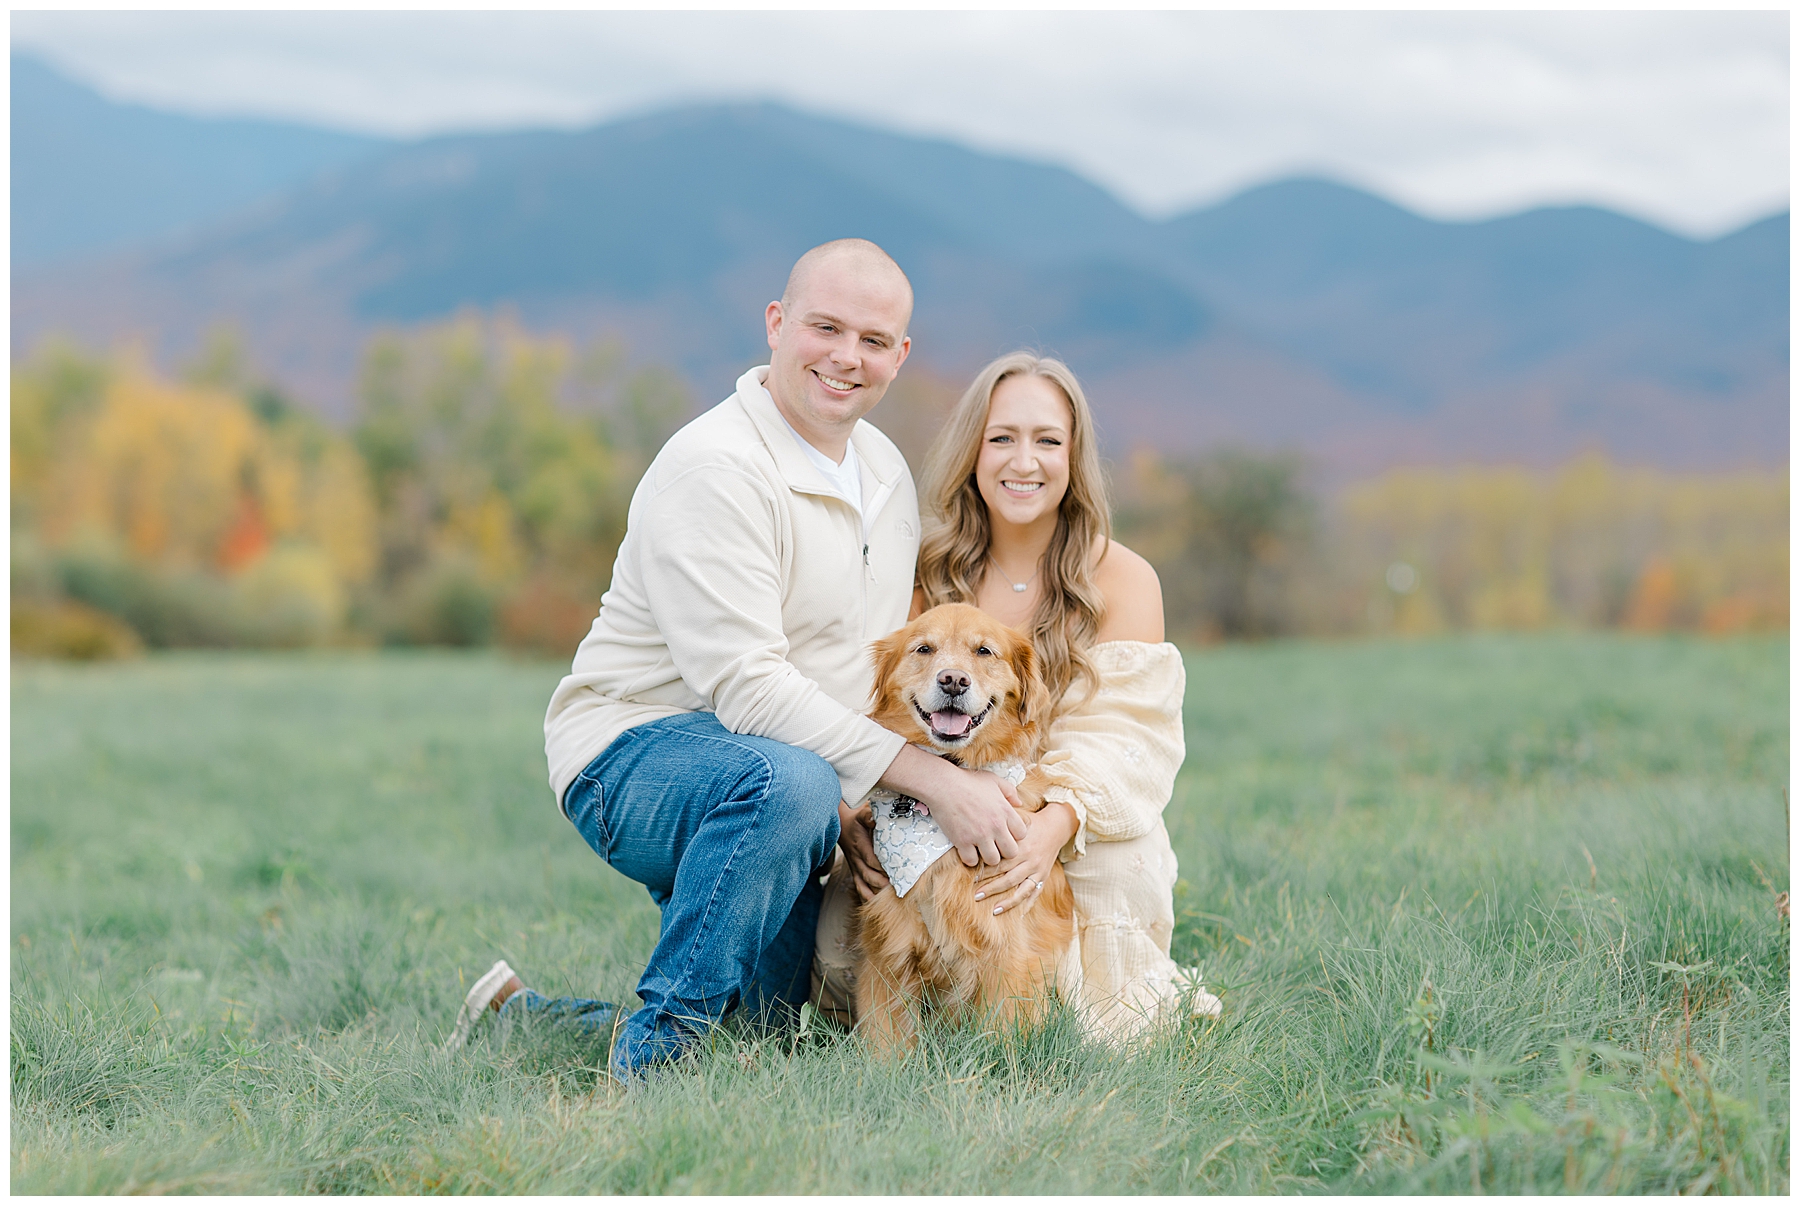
(1487, 914)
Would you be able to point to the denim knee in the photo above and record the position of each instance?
(806, 790)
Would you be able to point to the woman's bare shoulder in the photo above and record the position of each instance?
(1133, 594)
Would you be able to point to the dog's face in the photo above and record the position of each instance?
(961, 682)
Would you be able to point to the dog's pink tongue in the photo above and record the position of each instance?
(951, 724)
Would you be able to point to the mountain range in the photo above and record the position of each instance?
(91, 175)
(1303, 313)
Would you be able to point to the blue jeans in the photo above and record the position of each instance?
(729, 833)
(580, 1014)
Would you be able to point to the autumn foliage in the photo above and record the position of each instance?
(180, 509)
(1591, 544)
(1244, 550)
(479, 494)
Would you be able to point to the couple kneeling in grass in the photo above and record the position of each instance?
(709, 742)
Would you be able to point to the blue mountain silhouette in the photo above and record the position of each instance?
(91, 175)
(1301, 312)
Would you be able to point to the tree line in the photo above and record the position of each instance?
(480, 492)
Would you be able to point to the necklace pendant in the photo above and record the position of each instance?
(1019, 587)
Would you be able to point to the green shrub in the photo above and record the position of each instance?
(34, 576)
(64, 629)
(288, 598)
(447, 603)
(169, 609)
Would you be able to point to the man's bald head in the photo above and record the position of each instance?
(836, 339)
(855, 256)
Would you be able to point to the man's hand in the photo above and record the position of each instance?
(977, 810)
(856, 838)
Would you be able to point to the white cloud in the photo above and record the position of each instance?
(1679, 117)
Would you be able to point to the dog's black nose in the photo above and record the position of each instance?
(953, 682)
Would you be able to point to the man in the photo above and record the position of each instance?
(709, 734)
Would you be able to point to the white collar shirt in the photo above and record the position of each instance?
(846, 477)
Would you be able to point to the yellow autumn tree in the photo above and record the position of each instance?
(168, 471)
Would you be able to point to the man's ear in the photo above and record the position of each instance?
(772, 321)
(1034, 696)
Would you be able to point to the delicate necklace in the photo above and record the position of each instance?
(1018, 587)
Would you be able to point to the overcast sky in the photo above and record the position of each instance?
(1680, 118)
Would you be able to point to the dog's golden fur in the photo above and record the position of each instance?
(939, 945)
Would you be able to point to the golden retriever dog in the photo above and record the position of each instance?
(966, 687)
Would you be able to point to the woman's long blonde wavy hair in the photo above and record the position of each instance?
(953, 556)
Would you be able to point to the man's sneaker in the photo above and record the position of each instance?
(490, 992)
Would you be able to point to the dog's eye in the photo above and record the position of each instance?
(923, 649)
(984, 651)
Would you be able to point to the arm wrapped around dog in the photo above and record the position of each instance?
(1114, 760)
(716, 586)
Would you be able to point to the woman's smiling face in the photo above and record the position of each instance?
(1023, 469)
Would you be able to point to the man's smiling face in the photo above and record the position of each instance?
(836, 344)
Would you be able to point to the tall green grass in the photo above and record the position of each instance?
(1486, 913)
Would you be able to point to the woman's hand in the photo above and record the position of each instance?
(856, 838)
(1021, 877)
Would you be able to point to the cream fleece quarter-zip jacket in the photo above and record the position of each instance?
(746, 586)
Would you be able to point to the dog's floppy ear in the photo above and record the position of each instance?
(886, 654)
(1034, 696)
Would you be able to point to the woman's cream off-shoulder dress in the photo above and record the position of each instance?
(1114, 762)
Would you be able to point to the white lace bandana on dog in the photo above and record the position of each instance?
(908, 839)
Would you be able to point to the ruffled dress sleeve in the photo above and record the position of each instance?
(1114, 760)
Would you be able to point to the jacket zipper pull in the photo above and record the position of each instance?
(865, 556)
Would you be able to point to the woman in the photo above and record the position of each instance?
(1019, 526)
